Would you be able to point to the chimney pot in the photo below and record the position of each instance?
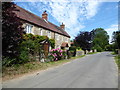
(44, 15)
(62, 26)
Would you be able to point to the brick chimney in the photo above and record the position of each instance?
(62, 26)
(44, 15)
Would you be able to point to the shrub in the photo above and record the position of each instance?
(116, 51)
(57, 54)
(78, 48)
(30, 47)
(27, 48)
(109, 47)
(6, 61)
(24, 56)
(52, 43)
(69, 54)
(72, 50)
(99, 49)
(118, 60)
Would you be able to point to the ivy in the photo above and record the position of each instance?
(52, 43)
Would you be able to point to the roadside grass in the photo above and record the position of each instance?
(31, 67)
(113, 53)
(77, 57)
(92, 52)
(117, 60)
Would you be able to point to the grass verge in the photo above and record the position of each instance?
(113, 53)
(92, 52)
(77, 57)
(19, 70)
(117, 60)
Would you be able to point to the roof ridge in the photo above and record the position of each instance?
(29, 12)
(32, 18)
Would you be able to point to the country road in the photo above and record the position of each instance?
(92, 71)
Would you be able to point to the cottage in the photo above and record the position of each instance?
(41, 26)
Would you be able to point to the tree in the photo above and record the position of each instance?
(100, 38)
(11, 30)
(116, 38)
(84, 40)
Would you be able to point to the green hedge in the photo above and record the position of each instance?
(52, 43)
(28, 49)
(72, 51)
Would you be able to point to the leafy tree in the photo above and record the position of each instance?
(116, 39)
(84, 40)
(109, 47)
(11, 30)
(100, 38)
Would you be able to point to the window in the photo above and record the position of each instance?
(66, 39)
(62, 38)
(41, 31)
(56, 37)
(28, 28)
(49, 34)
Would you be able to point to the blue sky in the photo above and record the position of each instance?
(78, 16)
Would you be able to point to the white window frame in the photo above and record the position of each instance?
(41, 31)
(66, 39)
(58, 37)
(28, 28)
(49, 34)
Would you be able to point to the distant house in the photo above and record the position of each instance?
(41, 26)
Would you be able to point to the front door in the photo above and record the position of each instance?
(46, 49)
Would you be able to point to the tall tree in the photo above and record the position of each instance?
(11, 30)
(116, 40)
(84, 40)
(100, 38)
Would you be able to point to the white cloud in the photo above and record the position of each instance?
(110, 31)
(60, 0)
(72, 14)
(91, 8)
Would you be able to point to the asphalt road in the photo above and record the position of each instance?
(92, 71)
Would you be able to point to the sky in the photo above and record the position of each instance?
(84, 15)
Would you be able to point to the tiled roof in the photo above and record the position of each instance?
(31, 18)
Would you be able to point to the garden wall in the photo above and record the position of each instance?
(79, 53)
